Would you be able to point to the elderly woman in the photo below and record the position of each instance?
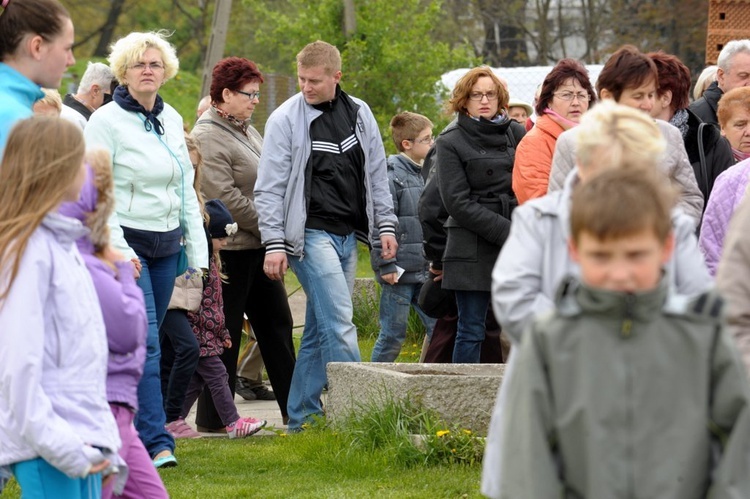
(475, 156)
(713, 155)
(36, 47)
(564, 97)
(156, 208)
(231, 148)
(730, 186)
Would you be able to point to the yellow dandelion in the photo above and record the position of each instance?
(467, 432)
(453, 451)
(442, 433)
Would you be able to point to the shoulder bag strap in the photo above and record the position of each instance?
(703, 166)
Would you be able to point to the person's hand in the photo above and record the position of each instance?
(99, 467)
(275, 265)
(228, 343)
(389, 247)
(391, 278)
(137, 267)
(438, 273)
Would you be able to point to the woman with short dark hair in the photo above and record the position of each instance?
(231, 148)
(565, 95)
(474, 164)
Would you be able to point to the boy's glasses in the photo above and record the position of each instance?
(569, 96)
(250, 95)
(479, 96)
(425, 140)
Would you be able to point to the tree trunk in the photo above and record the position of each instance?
(108, 31)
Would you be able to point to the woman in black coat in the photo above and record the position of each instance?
(475, 157)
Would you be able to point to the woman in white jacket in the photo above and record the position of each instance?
(57, 433)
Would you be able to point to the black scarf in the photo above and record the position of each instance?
(126, 101)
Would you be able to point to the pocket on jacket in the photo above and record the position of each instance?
(461, 244)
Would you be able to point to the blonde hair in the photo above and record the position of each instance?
(407, 126)
(706, 78)
(735, 100)
(51, 98)
(193, 147)
(101, 166)
(462, 90)
(615, 136)
(128, 50)
(320, 54)
(34, 177)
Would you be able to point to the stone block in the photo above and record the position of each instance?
(461, 394)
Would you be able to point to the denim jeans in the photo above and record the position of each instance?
(326, 271)
(472, 314)
(157, 282)
(179, 358)
(395, 301)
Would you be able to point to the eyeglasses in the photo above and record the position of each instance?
(250, 95)
(153, 66)
(569, 96)
(479, 96)
(425, 140)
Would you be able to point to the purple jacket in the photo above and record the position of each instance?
(728, 191)
(122, 306)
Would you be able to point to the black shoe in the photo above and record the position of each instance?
(243, 390)
(263, 393)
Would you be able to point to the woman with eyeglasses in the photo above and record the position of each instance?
(565, 95)
(36, 47)
(474, 164)
(231, 148)
(157, 219)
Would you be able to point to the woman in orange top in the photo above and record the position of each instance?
(566, 94)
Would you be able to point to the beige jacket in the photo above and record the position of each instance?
(733, 278)
(675, 165)
(230, 169)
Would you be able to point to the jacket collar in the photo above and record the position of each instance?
(65, 229)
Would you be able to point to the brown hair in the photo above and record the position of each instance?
(460, 95)
(406, 126)
(620, 202)
(737, 98)
(562, 72)
(22, 17)
(320, 54)
(673, 76)
(626, 68)
(34, 177)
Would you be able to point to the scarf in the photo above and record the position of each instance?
(231, 119)
(680, 120)
(739, 155)
(565, 123)
(126, 101)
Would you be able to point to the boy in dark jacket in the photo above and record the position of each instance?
(402, 277)
(626, 390)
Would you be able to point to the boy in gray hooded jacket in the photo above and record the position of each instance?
(626, 390)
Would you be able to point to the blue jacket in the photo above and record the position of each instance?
(17, 97)
(53, 357)
(406, 184)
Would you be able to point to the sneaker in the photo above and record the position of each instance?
(244, 427)
(242, 388)
(165, 459)
(263, 393)
(180, 429)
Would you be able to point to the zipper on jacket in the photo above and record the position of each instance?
(132, 194)
(627, 322)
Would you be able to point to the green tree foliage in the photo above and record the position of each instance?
(391, 61)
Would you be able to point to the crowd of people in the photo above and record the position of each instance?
(584, 232)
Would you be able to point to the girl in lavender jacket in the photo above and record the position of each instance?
(125, 320)
(57, 433)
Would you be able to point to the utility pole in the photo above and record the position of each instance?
(216, 42)
(350, 18)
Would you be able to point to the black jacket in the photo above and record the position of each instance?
(718, 154)
(705, 107)
(474, 167)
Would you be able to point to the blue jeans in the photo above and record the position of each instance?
(472, 314)
(38, 480)
(157, 282)
(326, 272)
(180, 352)
(395, 301)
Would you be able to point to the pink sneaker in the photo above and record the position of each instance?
(180, 429)
(244, 427)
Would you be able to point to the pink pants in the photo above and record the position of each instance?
(143, 479)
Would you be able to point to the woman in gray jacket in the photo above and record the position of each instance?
(475, 157)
